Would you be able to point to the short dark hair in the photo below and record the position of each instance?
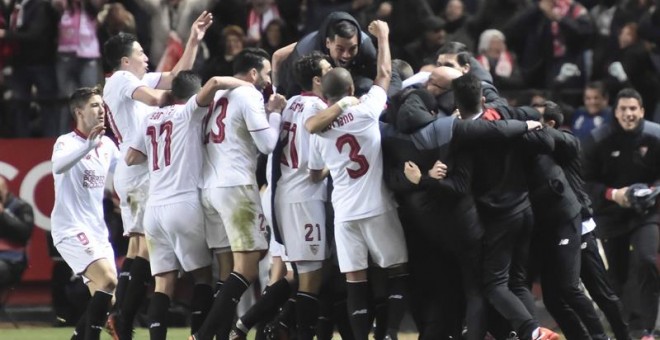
(451, 47)
(467, 93)
(308, 67)
(628, 92)
(117, 47)
(403, 68)
(185, 85)
(600, 87)
(249, 58)
(343, 28)
(554, 112)
(336, 83)
(80, 97)
(463, 58)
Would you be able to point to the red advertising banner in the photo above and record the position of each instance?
(26, 165)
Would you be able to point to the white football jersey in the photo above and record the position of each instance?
(230, 153)
(350, 148)
(126, 114)
(79, 191)
(170, 139)
(295, 180)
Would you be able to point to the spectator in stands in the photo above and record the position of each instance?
(221, 64)
(259, 17)
(276, 36)
(549, 38)
(16, 224)
(495, 57)
(631, 66)
(595, 112)
(458, 24)
(427, 44)
(78, 51)
(33, 29)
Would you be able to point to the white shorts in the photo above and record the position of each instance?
(82, 250)
(132, 194)
(380, 237)
(237, 211)
(302, 226)
(175, 237)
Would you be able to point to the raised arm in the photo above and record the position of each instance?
(278, 57)
(63, 160)
(381, 31)
(197, 32)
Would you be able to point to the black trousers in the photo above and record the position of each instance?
(557, 245)
(634, 253)
(594, 277)
(506, 251)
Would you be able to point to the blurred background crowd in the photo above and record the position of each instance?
(576, 52)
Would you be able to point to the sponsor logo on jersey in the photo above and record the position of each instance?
(314, 248)
(91, 181)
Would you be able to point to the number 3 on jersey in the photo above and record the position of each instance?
(219, 137)
(166, 128)
(353, 155)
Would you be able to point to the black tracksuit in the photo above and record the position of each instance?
(557, 236)
(492, 172)
(424, 205)
(614, 158)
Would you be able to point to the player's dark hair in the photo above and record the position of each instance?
(249, 58)
(600, 87)
(308, 67)
(451, 47)
(343, 28)
(553, 111)
(79, 98)
(336, 84)
(467, 93)
(629, 92)
(403, 68)
(463, 58)
(117, 47)
(185, 85)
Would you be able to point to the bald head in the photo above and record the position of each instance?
(440, 80)
(336, 84)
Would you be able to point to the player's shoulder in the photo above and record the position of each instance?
(121, 76)
(245, 92)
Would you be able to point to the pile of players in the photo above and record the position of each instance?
(445, 200)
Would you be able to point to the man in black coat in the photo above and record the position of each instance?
(16, 224)
(616, 156)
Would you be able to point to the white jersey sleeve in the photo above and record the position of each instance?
(315, 158)
(373, 102)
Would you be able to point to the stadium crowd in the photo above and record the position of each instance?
(431, 156)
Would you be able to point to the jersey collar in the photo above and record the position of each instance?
(311, 94)
(79, 133)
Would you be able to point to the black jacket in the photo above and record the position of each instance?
(361, 67)
(16, 224)
(36, 39)
(614, 158)
(553, 199)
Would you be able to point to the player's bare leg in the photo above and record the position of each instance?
(103, 280)
(225, 260)
(357, 303)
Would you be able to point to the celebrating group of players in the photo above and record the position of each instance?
(185, 175)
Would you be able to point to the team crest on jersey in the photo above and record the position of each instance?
(643, 149)
(91, 181)
(59, 146)
(314, 248)
(89, 251)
